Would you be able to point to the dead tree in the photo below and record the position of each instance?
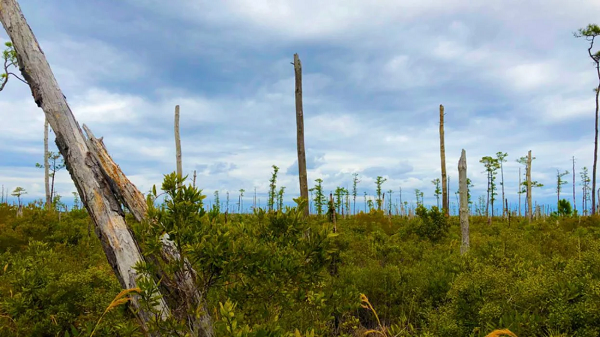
(178, 142)
(574, 202)
(302, 175)
(464, 202)
(445, 202)
(529, 204)
(94, 178)
(47, 168)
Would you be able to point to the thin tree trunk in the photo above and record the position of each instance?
(574, 202)
(504, 209)
(595, 151)
(529, 204)
(520, 191)
(178, 143)
(194, 180)
(117, 241)
(302, 175)
(464, 202)
(47, 168)
(443, 163)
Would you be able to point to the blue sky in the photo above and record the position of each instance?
(510, 74)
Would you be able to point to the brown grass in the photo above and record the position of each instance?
(121, 298)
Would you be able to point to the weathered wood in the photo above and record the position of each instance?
(529, 204)
(464, 202)
(47, 167)
(446, 200)
(118, 243)
(181, 293)
(178, 142)
(302, 175)
(120, 185)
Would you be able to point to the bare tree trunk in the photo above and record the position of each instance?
(443, 163)
(529, 204)
(332, 212)
(464, 202)
(520, 191)
(303, 177)
(595, 151)
(194, 180)
(178, 142)
(47, 168)
(117, 241)
(574, 202)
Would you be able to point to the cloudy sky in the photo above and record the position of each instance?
(510, 74)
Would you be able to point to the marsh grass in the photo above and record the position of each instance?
(120, 299)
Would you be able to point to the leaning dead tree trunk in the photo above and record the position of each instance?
(183, 297)
(464, 202)
(178, 142)
(303, 177)
(117, 241)
(529, 204)
(47, 168)
(445, 203)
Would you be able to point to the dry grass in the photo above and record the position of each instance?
(120, 299)
(503, 332)
(383, 331)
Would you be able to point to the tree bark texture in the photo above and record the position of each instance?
(302, 175)
(464, 202)
(445, 204)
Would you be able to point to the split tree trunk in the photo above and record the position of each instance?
(178, 142)
(117, 241)
(529, 204)
(445, 202)
(302, 175)
(464, 202)
(47, 167)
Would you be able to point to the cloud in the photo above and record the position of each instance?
(312, 162)
(373, 78)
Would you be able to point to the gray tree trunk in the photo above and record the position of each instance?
(529, 204)
(117, 241)
(445, 202)
(464, 202)
(302, 175)
(178, 142)
(47, 167)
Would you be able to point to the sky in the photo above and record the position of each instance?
(510, 74)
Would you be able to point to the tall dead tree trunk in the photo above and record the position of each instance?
(519, 191)
(302, 175)
(529, 204)
(445, 199)
(47, 167)
(574, 202)
(464, 202)
(178, 142)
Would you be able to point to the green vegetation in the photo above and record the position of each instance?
(277, 274)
